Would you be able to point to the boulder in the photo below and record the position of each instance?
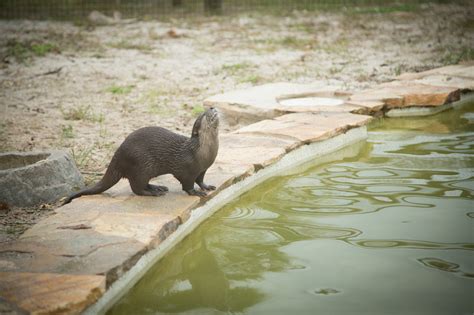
(32, 178)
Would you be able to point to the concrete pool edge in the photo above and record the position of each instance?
(290, 161)
(418, 111)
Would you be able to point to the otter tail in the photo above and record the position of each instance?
(111, 177)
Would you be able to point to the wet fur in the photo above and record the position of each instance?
(153, 151)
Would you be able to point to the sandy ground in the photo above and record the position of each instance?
(83, 88)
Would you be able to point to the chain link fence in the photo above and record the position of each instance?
(77, 9)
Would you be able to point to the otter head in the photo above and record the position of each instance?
(207, 124)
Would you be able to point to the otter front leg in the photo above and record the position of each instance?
(188, 186)
(200, 182)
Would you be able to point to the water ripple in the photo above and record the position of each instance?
(444, 265)
(373, 243)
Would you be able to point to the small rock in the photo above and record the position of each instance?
(98, 18)
(326, 291)
(4, 206)
(173, 34)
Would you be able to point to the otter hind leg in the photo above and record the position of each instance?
(157, 188)
(141, 187)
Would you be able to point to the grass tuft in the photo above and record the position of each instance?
(120, 90)
(23, 51)
(67, 132)
(452, 57)
(123, 44)
(232, 69)
(82, 112)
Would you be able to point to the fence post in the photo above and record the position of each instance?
(213, 6)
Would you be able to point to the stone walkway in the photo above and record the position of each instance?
(66, 262)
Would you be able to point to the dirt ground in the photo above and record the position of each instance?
(83, 88)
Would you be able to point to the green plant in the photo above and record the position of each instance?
(288, 42)
(22, 51)
(99, 118)
(67, 132)
(399, 69)
(339, 46)
(234, 68)
(76, 113)
(295, 42)
(123, 44)
(252, 78)
(384, 9)
(335, 70)
(82, 157)
(42, 49)
(120, 90)
(155, 99)
(18, 50)
(162, 110)
(83, 112)
(307, 27)
(103, 130)
(452, 56)
(197, 110)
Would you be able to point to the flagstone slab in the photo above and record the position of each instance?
(142, 225)
(109, 259)
(256, 150)
(275, 99)
(403, 94)
(456, 76)
(242, 155)
(120, 198)
(304, 104)
(93, 235)
(222, 176)
(462, 70)
(307, 127)
(464, 84)
(47, 293)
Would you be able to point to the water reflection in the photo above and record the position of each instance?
(385, 226)
(190, 279)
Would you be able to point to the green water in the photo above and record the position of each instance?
(388, 230)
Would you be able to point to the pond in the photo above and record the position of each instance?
(386, 230)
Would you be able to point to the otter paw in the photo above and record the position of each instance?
(157, 193)
(194, 192)
(207, 187)
(152, 190)
(158, 188)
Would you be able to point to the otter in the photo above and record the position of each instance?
(153, 151)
